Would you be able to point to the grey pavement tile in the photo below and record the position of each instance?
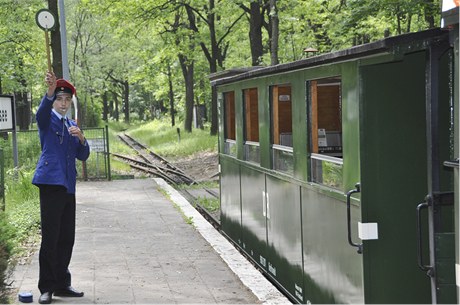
(134, 246)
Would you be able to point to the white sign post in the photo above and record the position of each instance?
(7, 121)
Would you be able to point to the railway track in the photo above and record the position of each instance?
(155, 165)
(212, 217)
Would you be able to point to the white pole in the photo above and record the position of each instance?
(65, 61)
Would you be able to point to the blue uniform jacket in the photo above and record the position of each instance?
(56, 165)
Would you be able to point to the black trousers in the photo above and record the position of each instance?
(57, 209)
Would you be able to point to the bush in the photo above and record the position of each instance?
(22, 206)
(18, 224)
(6, 249)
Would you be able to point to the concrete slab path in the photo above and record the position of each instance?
(140, 242)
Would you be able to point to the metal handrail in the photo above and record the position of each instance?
(251, 143)
(283, 148)
(327, 158)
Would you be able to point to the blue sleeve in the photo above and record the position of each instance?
(43, 114)
(83, 151)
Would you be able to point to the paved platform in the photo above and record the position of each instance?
(140, 242)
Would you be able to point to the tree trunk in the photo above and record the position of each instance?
(172, 111)
(23, 106)
(116, 114)
(214, 116)
(274, 21)
(126, 100)
(255, 33)
(187, 71)
(105, 109)
(213, 62)
(56, 40)
(430, 11)
(22, 110)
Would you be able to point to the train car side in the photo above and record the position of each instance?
(294, 139)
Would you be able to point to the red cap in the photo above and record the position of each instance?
(64, 86)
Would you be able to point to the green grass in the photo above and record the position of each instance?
(161, 138)
(165, 141)
(210, 204)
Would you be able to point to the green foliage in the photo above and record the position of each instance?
(22, 205)
(19, 222)
(22, 43)
(6, 248)
(140, 43)
(332, 175)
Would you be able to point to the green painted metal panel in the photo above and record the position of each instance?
(333, 270)
(253, 222)
(284, 259)
(445, 268)
(239, 124)
(230, 203)
(299, 127)
(350, 125)
(264, 124)
(456, 105)
(393, 177)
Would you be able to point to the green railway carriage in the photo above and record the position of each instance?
(326, 164)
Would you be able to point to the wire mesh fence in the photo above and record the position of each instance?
(97, 167)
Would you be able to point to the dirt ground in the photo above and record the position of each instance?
(203, 166)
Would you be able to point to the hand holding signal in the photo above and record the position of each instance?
(50, 80)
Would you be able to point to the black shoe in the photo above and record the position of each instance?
(68, 292)
(45, 298)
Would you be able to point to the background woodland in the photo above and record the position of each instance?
(144, 59)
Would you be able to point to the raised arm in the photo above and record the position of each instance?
(44, 110)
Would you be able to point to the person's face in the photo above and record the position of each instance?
(62, 103)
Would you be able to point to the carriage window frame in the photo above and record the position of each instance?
(251, 125)
(230, 147)
(282, 151)
(325, 131)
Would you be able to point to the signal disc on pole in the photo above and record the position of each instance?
(45, 19)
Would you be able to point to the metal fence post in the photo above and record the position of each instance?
(109, 174)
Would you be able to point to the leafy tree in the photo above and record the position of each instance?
(153, 57)
(20, 52)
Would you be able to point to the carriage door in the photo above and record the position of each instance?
(393, 152)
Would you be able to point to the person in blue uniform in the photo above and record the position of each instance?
(62, 142)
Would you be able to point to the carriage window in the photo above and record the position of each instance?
(251, 125)
(281, 128)
(229, 123)
(326, 131)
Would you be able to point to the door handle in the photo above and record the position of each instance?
(351, 192)
(427, 268)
